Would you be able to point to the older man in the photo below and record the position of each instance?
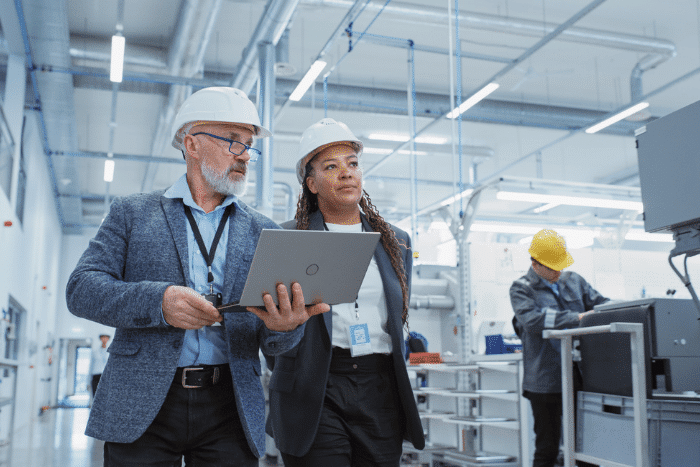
(183, 380)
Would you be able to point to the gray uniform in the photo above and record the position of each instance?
(537, 307)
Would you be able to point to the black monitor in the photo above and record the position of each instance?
(671, 347)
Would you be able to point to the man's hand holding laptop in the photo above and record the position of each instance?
(290, 314)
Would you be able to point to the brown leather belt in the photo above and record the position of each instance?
(203, 376)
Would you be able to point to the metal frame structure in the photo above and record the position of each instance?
(641, 424)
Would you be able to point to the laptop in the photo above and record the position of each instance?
(329, 266)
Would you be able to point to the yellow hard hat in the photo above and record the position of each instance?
(549, 248)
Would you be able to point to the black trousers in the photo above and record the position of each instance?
(200, 424)
(546, 411)
(361, 420)
(547, 414)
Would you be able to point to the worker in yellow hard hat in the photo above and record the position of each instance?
(547, 297)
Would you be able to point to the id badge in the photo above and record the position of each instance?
(359, 340)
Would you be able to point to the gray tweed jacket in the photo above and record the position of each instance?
(139, 251)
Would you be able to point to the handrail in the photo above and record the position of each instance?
(641, 424)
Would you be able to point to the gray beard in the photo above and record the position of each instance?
(222, 184)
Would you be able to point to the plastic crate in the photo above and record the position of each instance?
(605, 429)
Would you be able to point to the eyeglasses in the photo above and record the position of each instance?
(235, 147)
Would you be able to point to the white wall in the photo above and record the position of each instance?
(30, 257)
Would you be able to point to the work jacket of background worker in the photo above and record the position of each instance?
(537, 308)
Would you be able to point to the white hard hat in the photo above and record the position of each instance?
(216, 104)
(319, 136)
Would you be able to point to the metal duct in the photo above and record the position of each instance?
(186, 57)
(523, 27)
(47, 28)
(270, 28)
(92, 52)
(442, 302)
(388, 101)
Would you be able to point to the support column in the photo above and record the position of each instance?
(266, 100)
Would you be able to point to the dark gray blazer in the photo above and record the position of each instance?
(139, 251)
(298, 382)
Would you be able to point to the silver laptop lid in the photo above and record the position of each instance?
(329, 266)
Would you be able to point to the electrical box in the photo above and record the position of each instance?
(668, 150)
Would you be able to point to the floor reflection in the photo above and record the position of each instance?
(32, 446)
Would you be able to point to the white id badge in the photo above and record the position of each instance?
(359, 340)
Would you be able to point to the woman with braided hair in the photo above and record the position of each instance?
(333, 403)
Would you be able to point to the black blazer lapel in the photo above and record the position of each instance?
(392, 291)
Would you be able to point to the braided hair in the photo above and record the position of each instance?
(308, 204)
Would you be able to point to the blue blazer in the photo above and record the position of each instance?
(139, 251)
(298, 382)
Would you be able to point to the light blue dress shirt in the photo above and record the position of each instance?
(205, 346)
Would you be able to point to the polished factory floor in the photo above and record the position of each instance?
(56, 439)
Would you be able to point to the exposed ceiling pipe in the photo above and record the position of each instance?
(91, 51)
(270, 28)
(375, 100)
(647, 63)
(523, 27)
(186, 57)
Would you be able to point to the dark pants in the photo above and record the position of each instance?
(94, 382)
(200, 424)
(547, 414)
(546, 411)
(361, 420)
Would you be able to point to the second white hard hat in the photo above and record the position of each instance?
(216, 104)
(321, 135)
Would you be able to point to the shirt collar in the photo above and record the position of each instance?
(181, 190)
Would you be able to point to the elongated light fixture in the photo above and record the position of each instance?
(116, 69)
(109, 170)
(570, 200)
(617, 117)
(307, 80)
(472, 101)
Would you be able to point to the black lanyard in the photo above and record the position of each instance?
(208, 257)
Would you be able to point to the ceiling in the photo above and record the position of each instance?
(560, 68)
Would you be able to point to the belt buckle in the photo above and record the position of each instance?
(184, 378)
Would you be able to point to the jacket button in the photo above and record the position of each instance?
(354, 366)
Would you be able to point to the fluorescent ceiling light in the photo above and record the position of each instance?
(380, 151)
(307, 80)
(483, 92)
(109, 170)
(116, 69)
(387, 151)
(617, 117)
(570, 200)
(403, 138)
(545, 207)
(641, 236)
